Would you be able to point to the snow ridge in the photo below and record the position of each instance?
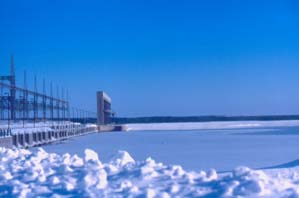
(40, 174)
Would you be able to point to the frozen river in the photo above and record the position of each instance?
(194, 149)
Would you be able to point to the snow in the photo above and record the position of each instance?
(38, 173)
(195, 150)
(210, 163)
(211, 125)
(29, 127)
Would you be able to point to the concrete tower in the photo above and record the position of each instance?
(103, 108)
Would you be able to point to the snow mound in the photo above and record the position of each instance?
(40, 174)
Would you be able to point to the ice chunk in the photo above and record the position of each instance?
(91, 155)
(122, 158)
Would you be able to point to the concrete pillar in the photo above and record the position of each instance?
(21, 139)
(29, 139)
(15, 140)
(39, 134)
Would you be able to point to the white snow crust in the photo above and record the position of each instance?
(211, 125)
(38, 173)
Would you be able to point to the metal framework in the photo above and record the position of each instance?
(22, 104)
(11, 98)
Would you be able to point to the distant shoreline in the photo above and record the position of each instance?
(173, 119)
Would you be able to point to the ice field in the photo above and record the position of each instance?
(161, 161)
(258, 146)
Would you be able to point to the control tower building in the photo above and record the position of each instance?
(104, 112)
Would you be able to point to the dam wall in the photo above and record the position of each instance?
(31, 137)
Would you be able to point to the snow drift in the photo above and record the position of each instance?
(40, 174)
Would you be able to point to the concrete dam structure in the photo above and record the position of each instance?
(42, 134)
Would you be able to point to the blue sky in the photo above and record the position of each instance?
(193, 57)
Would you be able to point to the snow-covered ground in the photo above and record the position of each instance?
(41, 174)
(211, 125)
(196, 149)
(190, 158)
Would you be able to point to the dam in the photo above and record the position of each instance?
(31, 118)
(42, 134)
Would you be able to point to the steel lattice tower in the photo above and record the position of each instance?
(12, 89)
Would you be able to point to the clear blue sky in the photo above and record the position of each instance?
(193, 57)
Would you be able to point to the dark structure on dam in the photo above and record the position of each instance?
(105, 115)
(104, 112)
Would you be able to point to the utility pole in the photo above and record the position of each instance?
(12, 98)
(51, 103)
(25, 105)
(58, 105)
(1, 102)
(68, 105)
(63, 104)
(35, 100)
(44, 101)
